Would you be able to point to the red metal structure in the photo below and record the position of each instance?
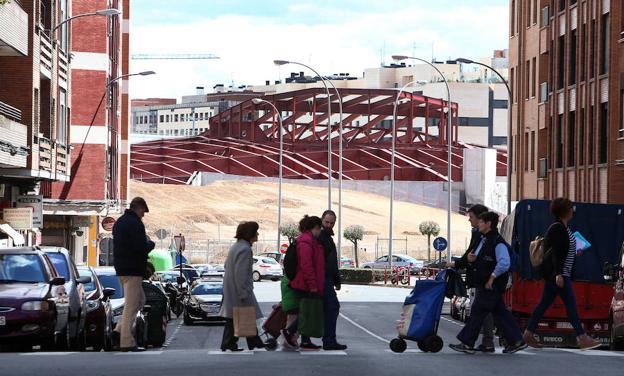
(244, 140)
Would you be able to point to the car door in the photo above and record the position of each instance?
(381, 262)
(58, 296)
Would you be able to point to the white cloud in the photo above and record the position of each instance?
(248, 45)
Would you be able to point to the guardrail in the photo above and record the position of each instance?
(10, 112)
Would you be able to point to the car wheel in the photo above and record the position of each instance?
(256, 277)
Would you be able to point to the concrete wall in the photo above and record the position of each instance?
(480, 181)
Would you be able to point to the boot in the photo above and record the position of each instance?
(586, 342)
(529, 338)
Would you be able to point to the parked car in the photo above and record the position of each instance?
(266, 268)
(161, 287)
(398, 260)
(190, 272)
(99, 322)
(616, 317)
(170, 276)
(74, 287)
(346, 263)
(204, 302)
(279, 257)
(34, 307)
(209, 270)
(108, 278)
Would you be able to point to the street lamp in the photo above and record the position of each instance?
(102, 12)
(509, 127)
(329, 147)
(258, 101)
(449, 138)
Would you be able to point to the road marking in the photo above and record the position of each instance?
(330, 353)
(452, 321)
(245, 352)
(49, 353)
(364, 329)
(140, 353)
(592, 352)
(170, 339)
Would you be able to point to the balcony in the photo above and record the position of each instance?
(14, 141)
(46, 55)
(13, 30)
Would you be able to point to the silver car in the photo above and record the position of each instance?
(266, 268)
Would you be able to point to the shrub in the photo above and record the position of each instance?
(356, 275)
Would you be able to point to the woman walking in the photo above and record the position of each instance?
(238, 285)
(557, 270)
(309, 281)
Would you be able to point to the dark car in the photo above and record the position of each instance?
(616, 319)
(34, 307)
(190, 272)
(99, 321)
(74, 287)
(204, 302)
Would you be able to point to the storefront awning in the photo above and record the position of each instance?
(18, 239)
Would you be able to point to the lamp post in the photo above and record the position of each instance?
(102, 12)
(258, 101)
(449, 139)
(329, 147)
(108, 133)
(509, 127)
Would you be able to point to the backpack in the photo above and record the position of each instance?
(536, 251)
(290, 261)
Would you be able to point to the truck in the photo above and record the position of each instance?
(603, 226)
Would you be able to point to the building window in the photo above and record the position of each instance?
(560, 66)
(162, 118)
(582, 41)
(533, 77)
(621, 130)
(535, 8)
(545, 21)
(592, 50)
(571, 138)
(62, 125)
(581, 136)
(572, 59)
(513, 18)
(201, 116)
(526, 151)
(559, 141)
(176, 117)
(562, 4)
(543, 92)
(604, 122)
(533, 151)
(604, 44)
(590, 137)
(527, 79)
(528, 14)
(63, 28)
(512, 85)
(167, 118)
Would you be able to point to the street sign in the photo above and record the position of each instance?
(283, 248)
(19, 218)
(108, 223)
(179, 242)
(36, 203)
(161, 234)
(440, 244)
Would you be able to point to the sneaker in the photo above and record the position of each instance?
(485, 349)
(462, 348)
(309, 346)
(586, 342)
(291, 339)
(530, 340)
(334, 347)
(511, 349)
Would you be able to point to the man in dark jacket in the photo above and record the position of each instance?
(487, 341)
(131, 247)
(331, 306)
(491, 261)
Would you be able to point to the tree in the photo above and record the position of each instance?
(290, 230)
(354, 234)
(429, 228)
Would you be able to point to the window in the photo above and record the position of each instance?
(60, 264)
(162, 118)
(513, 18)
(571, 138)
(604, 44)
(592, 49)
(528, 14)
(543, 92)
(562, 4)
(621, 130)
(535, 11)
(63, 28)
(581, 143)
(534, 77)
(511, 84)
(545, 21)
(527, 79)
(559, 141)
(572, 59)
(533, 151)
(206, 115)
(62, 125)
(167, 118)
(582, 41)
(526, 151)
(590, 137)
(21, 268)
(176, 118)
(604, 122)
(201, 116)
(560, 66)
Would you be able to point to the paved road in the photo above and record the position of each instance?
(366, 325)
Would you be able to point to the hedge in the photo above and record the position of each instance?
(356, 275)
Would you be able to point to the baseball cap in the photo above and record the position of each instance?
(139, 201)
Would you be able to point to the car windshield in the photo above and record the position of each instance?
(60, 264)
(87, 273)
(206, 289)
(170, 277)
(21, 268)
(111, 280)
(269, 261)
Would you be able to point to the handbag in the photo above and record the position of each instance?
(311, 321)
(245, 321)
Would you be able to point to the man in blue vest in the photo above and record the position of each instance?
(490, 262)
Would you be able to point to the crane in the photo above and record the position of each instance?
(174, 56)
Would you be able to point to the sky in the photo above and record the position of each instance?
(332, 36)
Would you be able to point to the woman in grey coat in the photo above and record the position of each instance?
(238, 285)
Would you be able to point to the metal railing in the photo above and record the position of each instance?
(10, 112)
(46, 51)
(45, 154)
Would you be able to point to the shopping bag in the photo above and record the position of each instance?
(311, 318)
(245, 321)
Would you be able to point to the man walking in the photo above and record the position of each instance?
(487, 341)
(491, 262)
(131, 247)
(332, 279)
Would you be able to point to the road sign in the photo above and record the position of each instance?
(19, 218)
(36, 203)
(108, 223)
(440, 244)
(161, 234)
(283, 248)
(179, 242)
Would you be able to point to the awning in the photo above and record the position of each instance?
(18, 239)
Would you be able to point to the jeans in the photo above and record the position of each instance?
(566, 293)
(134, 300)
(331, 310)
